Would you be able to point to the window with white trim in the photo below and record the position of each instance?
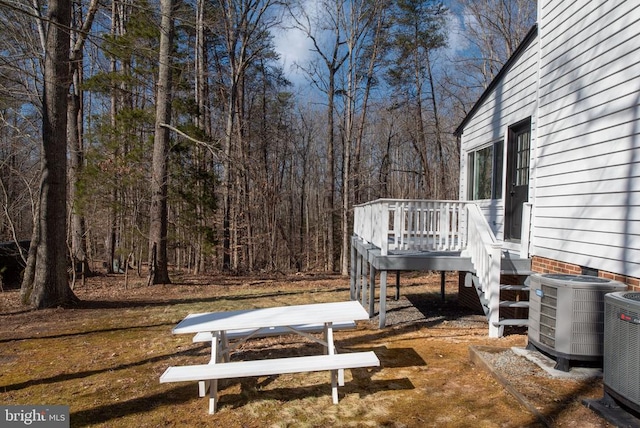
(485, 172)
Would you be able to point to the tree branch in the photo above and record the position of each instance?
(208, 146)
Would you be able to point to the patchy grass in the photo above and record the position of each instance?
(104, 359)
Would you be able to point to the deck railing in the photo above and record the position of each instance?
(412, 224)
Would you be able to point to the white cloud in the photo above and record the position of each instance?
(456, 39)
(294, 48)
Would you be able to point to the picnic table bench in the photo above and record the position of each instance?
(220, 327)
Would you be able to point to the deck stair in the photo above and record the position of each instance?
(514, 293)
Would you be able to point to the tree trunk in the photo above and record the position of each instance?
(47, 285)
(226, 183)
(110, 244)
(369, 78)
(421, 138)
(75, 135)
(331, 175)
(159, 273)
(346, 165)
(202, 122)
(440, 193)
(76, 162)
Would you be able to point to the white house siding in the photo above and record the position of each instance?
(587, 206)
(510, 101)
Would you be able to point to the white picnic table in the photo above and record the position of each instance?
(219, 327)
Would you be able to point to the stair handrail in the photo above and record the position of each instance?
(485, 253)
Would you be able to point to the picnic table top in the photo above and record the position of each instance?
(272, 317)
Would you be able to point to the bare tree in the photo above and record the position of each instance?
(363, 31)
(323, 27)
(158, 222)
(245, 25)
(76, 133)
(203, 124)
(495, 28)
(45, 282)
(438, 132)
(374, 55)
(20, 142)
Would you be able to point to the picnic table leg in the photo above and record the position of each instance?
(328, 338)
(334, 387)
(224, 348)
(213, 396)
(204, 385)
(219, 352)
(337, 376)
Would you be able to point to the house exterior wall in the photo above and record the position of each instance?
(512, 100)
(587, 162)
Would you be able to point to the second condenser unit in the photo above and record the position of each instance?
(622, 348)
(566, 316)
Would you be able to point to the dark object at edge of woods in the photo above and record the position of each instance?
(11, 263)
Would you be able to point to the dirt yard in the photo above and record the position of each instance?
(104, 359)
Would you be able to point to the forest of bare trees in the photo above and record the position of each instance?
(143, 134)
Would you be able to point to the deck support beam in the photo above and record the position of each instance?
(354, 272)
(358, 293)
(383, 299)
(363, 281)
(363, 286)
(372, 289)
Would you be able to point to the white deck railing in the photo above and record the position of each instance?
(426, 225)
(412, 224)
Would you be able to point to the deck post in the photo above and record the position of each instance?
(363, 283)
(358, 290)
(372, 289)
(383, 298)
(442, 284)
(354, 271)
(397, 285)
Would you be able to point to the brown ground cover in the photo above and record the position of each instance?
(104, 359)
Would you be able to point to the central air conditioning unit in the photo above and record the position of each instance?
(622, 348)
(566, 316)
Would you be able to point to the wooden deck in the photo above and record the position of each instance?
(416, 235)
